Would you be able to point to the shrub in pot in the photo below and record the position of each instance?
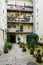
(6, 50)
(21, 44)
(39, 56)
(24, 49)
(32, 36)
(32, 46)
(7, 47)
(31, 51)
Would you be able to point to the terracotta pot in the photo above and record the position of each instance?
(42, 46)
(31, 52)
(39, 59)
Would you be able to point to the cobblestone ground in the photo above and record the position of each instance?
(15, 57)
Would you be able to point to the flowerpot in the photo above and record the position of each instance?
(24, 49)
(6, 50)
(39, 58)
(42, 46)
(31, 52)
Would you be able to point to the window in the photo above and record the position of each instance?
(28, 18)
(11, 25)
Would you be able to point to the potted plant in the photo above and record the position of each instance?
(30, 37)
(31, 51)
(7, 47)
(42, 54)
(24, 49)
(39, 56)
(21, 44)
(6, 50)
(32, 46)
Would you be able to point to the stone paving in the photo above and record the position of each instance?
(15, 57)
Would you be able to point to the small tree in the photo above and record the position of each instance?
(32, 43)
(33, 36)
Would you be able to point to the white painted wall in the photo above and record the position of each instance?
(21, 2)
(38, 17)
(3, 23)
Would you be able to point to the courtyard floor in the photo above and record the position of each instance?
(16, 57)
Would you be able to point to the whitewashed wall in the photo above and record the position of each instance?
(38, 17)
(3, 23)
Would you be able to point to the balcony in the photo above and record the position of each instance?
(19, 19)
(14, 30)
(17, 8)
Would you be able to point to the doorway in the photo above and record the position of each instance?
(11, 38)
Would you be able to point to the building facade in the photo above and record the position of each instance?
(33, 10)
(19, 19)
(3, 24)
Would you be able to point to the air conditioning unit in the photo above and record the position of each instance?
(17, 30)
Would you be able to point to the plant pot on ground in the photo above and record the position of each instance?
(21, 44)
(24, 49)
(39, 56)
(30, 37)
(7, 47)
(32, 46)
(6, 50)
(31, 51)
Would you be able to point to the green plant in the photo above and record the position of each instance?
(7, 47)
(39, 56)
(31, 51)
(38, 52)
(32, 43)
(21, 44)
(32, 36)
(6, 50)
(24, 49)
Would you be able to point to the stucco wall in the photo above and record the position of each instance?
(38, 18)
(3, 23)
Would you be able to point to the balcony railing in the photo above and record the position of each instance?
(14, 19)
(20, 8)
(18, 30)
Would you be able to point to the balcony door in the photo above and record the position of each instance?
(21, 28)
